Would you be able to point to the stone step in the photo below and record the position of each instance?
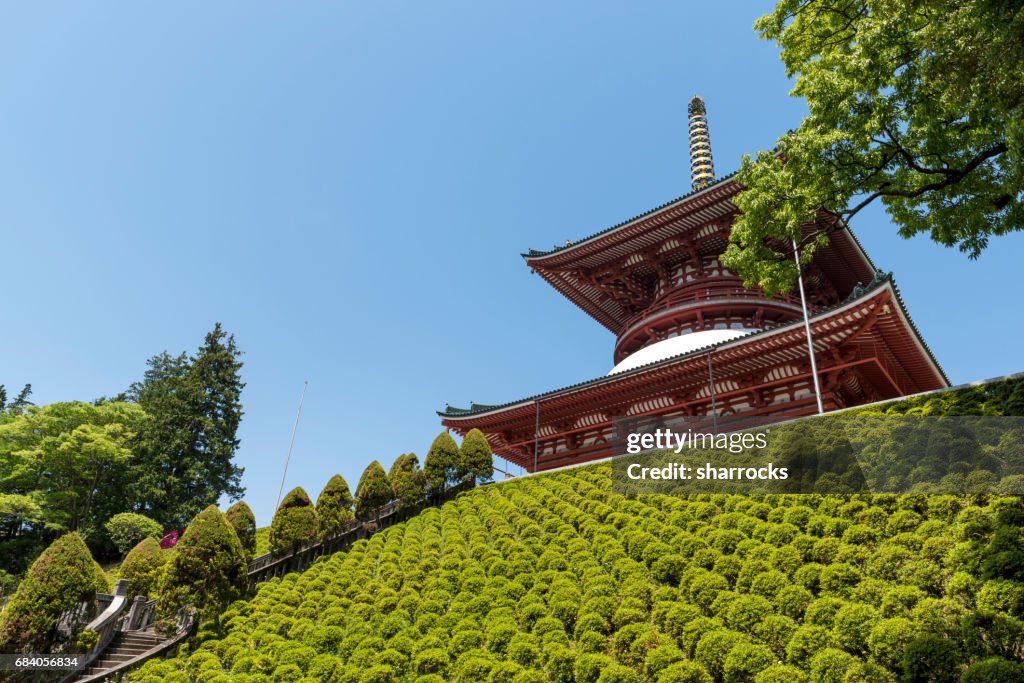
(136, 642)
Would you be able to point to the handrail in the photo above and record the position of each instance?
(262, 562)
(186, 623)
(105, 625)
(706, 293)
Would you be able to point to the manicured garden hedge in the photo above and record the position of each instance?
(555, 578)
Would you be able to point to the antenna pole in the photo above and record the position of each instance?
(807, 327)
(291, 443)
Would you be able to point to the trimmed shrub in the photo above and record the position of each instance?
(685, 672)
(745, 661)
(294, 521)
(994, 670)
(408, 484)
(830, 665)
(475, 459)
(243, 521)
(143, 568)
(333, 506)
(126, 529)
(929, 657)
(61, 578)
(441, 462)
(207, 569)
(373, 491)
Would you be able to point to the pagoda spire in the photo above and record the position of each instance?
(702, 169)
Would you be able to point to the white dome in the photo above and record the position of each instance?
(676, 346)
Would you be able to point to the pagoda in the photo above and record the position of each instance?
(692, 341)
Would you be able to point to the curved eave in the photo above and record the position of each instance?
(456, 414)
(844, 259)
(723, 188)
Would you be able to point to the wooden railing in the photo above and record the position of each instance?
(304, 554)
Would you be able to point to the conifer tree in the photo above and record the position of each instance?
(408, 484)
(185, 451)
(143, 568)
(207, 569)
(294, 521)
(440, 464)
(243, 521)
(62, 577)
(333, 506)
(475, 456)
(373, 491)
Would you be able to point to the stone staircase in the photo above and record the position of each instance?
(126, 646)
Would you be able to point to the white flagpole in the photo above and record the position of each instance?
(807, 327)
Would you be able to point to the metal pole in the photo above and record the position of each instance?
(807, 327)
(291, 443)
(711, 383)
(536, 436)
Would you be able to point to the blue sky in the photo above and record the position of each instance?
(347, 188)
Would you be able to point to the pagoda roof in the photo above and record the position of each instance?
(859, 294)
(699, 213)
(537, 253)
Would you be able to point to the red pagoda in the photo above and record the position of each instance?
(691, 340)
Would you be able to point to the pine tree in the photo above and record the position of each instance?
(440, 464)
(408, 484)
(333, 506)
(186, 449)
(373, 491)
(475, 456)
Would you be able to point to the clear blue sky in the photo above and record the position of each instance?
(348, 186)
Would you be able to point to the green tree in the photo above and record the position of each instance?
(294, 521)
(440, 464)
(70, 459)
(61, 578)
(407, 480)
(186, 451)
(475, 459)
(206, 570)
(243, 521)
(918, 105)
(333, 506)
(20, 402)
(128, 528)
(373, 490)
(143, 568)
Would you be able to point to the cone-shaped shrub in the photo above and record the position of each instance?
(143, 568)
(243, 521)
(62, 577)
(440, 464)
(333, 506)
(373, 491)
(207, 569)
(407, 481)
(294, 521)
(475, 456)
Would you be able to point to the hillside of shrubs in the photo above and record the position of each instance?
(555, 578)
